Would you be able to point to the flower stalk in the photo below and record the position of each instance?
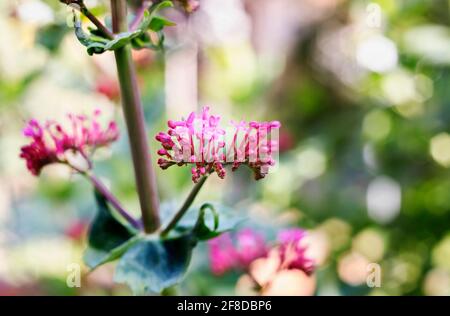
(134, 117)
(187, 203)
(103, 190)
(79, 5)
(95, 21)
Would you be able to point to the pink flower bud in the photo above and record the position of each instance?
(162, 152)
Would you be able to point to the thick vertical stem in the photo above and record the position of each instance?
(134, 116)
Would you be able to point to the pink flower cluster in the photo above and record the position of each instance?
(253, 146)
(227, 253)
(201, 142)
(50, 140)
(292, 251)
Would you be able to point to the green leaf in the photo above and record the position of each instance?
(201, 229)
(158, 23)
(81, 35)
(51, 36)
(211, 224)
(206, 222)
(161, 5)
(144, 41)
(149, 16)
(94, 43)
(97, 36)
(97, 44)
(95, 48)
(121, 40)
(152, 265)
(95, 257)
(108, 238)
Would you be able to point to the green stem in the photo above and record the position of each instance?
(187, 203)
(103, 190)
(79, 5)
(134, 117)
(95, 21)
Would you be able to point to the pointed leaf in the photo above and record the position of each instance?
(206, 225)
(144, 41)
(121, 40)
(149, 16)
(94, 257)
(152, 265)
(158, 23)
(94, 43)
(95, 48)
(51, 36)
(201, 229)
(107, 238)
(81, 35)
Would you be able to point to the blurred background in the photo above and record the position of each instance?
(361, 88)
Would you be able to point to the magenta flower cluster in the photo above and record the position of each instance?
(228, 252)
(293, 252)
(50, 140)
(237, 252)
(200, 141)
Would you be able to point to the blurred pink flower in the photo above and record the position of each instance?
(109, 87)
(143, 58)
(76, 229)
(227, 253)
(292, 252)
(239, 250)
(250, 245)
(198, 140)
(50, 141)
(287, 141)
(221, 254)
